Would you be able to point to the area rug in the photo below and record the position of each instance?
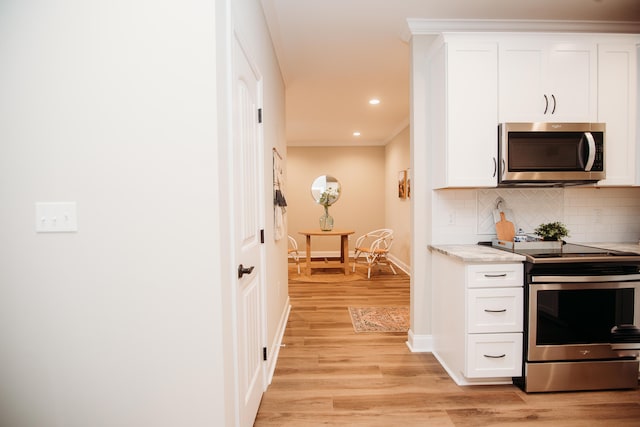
(380, 319)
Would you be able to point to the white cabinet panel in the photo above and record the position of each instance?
(522, 85)
(542, 80)
(494, 310)
(617, 86)
(494, 355)
(463, 113)
(572, 81)
(494, 275)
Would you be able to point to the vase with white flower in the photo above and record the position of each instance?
(327, 198)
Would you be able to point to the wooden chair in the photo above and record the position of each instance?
(293, 252)
(374, 247)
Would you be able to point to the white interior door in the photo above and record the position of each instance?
(247, 154)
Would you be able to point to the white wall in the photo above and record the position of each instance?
(421, 199)
(398, 210)
(114, 105)
(361, 206)
(369, 199)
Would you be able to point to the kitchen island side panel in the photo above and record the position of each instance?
(449, 315)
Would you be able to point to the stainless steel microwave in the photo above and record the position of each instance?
(550, 154)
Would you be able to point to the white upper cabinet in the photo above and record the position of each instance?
(617, 86)
(547, 80)
(476, 81)
(463, 99)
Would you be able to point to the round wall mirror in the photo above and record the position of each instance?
(325, 190)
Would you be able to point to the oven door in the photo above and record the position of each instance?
(573, 321)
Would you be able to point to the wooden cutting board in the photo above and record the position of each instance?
(505, 229)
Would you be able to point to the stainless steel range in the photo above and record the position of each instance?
(581, 305)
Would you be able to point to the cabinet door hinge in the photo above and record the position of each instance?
(264, 353)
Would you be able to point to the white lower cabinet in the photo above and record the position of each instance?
(478, 319)
(494, 355)
(494, 310)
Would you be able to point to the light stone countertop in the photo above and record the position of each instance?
(480, 253)
(477, 253)
(624, 247)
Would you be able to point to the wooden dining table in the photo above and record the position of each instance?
(344, 249)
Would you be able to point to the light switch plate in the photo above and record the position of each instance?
(56, 217)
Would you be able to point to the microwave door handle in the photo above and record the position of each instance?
(592, 151)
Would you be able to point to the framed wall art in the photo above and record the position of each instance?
(402, 184)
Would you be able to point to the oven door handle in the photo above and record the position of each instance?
(585, 279)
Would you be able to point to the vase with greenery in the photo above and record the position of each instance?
(552, 231)
(327, 198)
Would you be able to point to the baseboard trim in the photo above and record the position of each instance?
(420, 343)
(401, 265)
(335, 254)
(277, 343)
(460, 380)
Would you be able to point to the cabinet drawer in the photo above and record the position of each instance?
(495, 310)
(494, 275)
(494, 355)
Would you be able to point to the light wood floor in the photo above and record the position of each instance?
(328, 375)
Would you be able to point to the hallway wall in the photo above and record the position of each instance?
(113, 106)
(360, 171)
(369, 198)
(398, 211)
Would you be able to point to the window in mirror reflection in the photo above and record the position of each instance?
(325, 190)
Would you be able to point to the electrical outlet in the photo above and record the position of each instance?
(451, 220)
(597, 216)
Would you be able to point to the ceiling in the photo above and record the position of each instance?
(335, 55)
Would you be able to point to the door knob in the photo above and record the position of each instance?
(244, 270)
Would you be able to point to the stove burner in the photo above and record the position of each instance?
(571, 252)
(589, 254)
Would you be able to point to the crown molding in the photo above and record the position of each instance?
(437, 26)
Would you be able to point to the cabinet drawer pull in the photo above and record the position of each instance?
(554, 104)
(495, 275)
(495, 311)
(546, 104)
(495, 357)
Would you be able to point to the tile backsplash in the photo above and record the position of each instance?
(591, 214)
(530, 207)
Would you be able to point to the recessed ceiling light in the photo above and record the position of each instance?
(356, 133)
(374, 101)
